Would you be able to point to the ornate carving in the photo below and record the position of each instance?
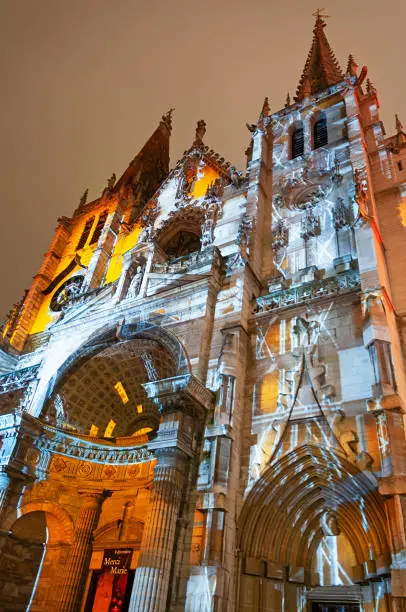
(310, 225)
(70, 290)
(361, 190)
(244, 235)
(307, 292)
(341, 215)
(280, 235)
(18, 379)
(187, 179)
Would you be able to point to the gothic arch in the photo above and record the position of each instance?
(187, 220)
(282, 518)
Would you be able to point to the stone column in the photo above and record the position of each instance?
(151, 582)
(5, 482)
(77, 564)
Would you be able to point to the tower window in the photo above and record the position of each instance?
(320, 137)
(298, 140)
(85, 234)
(400, 166)
(99, 227)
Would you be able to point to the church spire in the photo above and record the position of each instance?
(321, 68)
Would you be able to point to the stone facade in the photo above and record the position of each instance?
(202, 394)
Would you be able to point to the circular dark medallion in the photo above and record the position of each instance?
(68, 290)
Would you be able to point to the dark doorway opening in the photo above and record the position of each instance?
(334, 607)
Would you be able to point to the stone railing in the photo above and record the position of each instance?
(193, 262)
(310, 291)
(183, 386)
(18, 379)
(83, 298)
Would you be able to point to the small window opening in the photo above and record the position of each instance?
(298, 140)
(400, 165)
(85, 234)
(320, 136)
(99, 227)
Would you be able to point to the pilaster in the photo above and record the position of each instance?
(79, 556)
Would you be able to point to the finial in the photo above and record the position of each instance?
(265, 108)
(111, 182)
(83, 199)
(351, 66)
(200, 132)
(318, 13)
(287, 103)
(399, 125)
(370, 88)
(167, 118)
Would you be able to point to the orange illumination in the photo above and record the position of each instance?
(402, 212)
(139, 408)
(110, 428)
(123, 244)
(201, 185)
(121, 391)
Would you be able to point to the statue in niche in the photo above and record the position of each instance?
(361, 190)
(243, 236)
(236, 177)
(135, 285)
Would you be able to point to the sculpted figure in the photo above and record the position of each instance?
(135, 285)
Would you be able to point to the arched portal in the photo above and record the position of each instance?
(32, 560)
(102, 391)
(312, 525)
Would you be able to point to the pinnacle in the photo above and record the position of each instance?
(321, 69)
(399, 124)
(351, 66)
(265, 108)
(200, 132)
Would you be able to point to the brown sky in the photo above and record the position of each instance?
(84, 83)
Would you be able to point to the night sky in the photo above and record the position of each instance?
(85, 82)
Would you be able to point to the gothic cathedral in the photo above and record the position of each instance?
(202, 393)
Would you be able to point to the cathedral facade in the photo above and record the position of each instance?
(202, 393)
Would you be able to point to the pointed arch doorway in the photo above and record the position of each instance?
(311, 531)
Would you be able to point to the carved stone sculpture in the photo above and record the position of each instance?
(135, 285)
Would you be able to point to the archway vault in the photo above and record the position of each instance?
(285, 514)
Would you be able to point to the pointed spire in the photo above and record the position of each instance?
(399, 125)
(265, 108)
(200, 132)
(351, 66)
(167, 119)
(321, 68)
(370, 87)
(287, 102)
(83, 199)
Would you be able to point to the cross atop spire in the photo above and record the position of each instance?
(321, 68)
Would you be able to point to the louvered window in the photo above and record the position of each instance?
(297, 140)
(99, 226)
(320, 137)
(85, 234)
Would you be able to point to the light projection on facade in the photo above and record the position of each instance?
(202, 393)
